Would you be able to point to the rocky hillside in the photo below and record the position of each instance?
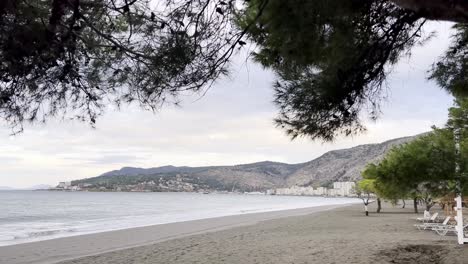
(337, 165)
(341, 165)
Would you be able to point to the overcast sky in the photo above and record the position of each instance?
(231, 124)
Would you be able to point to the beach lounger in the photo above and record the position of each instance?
(431, 226)
(427, 216)
(432, 219)
(448, 229)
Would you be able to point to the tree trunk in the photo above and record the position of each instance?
(429, 206)
(415, 202)
(447, 10)
(404, 203)
(365, 208)
(379, 205)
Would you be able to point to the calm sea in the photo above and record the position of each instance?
(27, 216)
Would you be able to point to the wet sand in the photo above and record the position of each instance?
(342, 235)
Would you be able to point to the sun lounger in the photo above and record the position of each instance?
(431, 226)
(427, 216)
(448, 229)
(431, 219)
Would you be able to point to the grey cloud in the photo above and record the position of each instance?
(106, 159)
(9, 159)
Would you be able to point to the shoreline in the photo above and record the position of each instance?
(142, 210)
(343, 235)
(68, 248)
(139, 222)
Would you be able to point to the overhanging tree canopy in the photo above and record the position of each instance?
(73, 57)
(332, 58)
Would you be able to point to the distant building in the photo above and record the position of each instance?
(344, 189)
(321, 191)
(64, 185)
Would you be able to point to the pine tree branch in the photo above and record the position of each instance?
(446, 10)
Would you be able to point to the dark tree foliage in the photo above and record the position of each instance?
(451, 72)
(73, 57)
(331, 58)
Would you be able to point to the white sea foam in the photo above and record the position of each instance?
(34, 216)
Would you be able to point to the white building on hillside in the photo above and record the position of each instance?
(64, 185)
(344, 189)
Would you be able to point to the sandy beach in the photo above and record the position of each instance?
(55, 250)
(314, 235)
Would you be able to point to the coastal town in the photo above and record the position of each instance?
(340, 189)
(172, 185)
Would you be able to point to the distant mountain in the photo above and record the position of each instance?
(341, 165)
(6, 188)
(336, 165)
(246, 177)
(149, 171)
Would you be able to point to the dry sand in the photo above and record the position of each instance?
(343, 235)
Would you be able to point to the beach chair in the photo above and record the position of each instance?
(448, 229)
(431, 226)
(426, 216)
(431, 219)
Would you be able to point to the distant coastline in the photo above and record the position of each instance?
(313, 178)
(340, 189)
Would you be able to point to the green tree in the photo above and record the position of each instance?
(369, 175)
(388, 192)
(422, 169)
(364, 190)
